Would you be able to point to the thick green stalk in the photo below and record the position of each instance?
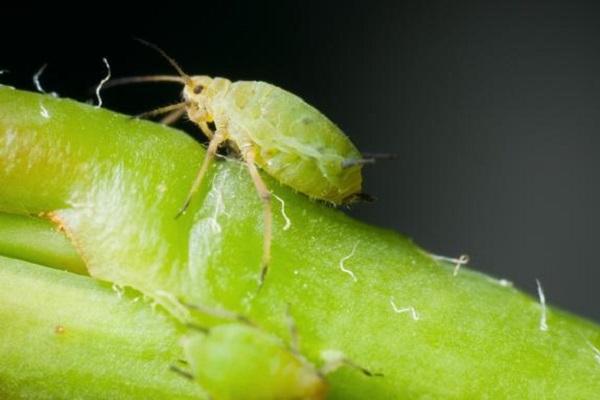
(37, 241)
(115, 184)
(65, 336)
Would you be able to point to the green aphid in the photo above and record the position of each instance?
(268, 128)
(237, 361)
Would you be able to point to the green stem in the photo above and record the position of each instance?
(38, 241)
(115, 184)
(66, 336)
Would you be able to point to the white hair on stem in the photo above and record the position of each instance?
(102, 82)
(542, 297)
(36, 79)
(458, 262)
(502, 282)
(346, 258)
(44, 111)
(403, 310)
(595, 350)
(288, 223)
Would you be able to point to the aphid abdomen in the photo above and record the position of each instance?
(295, 143)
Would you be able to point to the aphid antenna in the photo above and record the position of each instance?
(143, 79)
(182, 77)
(186, 78)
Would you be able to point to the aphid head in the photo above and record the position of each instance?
(194, 90)
(197, 93)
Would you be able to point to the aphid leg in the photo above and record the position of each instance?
(173, 116)
(181, 372)
(335, 359)
(219, 313)
(217, 139)
(161, 110)
(364, 370)
(205, 129)
(265, 197)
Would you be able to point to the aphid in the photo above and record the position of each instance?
(238, 361)
(228, 359)
(268, 128)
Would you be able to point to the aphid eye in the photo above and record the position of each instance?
(198, 89)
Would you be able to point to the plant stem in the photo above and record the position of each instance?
(115, 185)
(65, 336)
(38, 241)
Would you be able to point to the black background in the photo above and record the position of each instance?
(493, 109)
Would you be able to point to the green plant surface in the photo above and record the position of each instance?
(66, 336)
(114, 185)
(38, 241)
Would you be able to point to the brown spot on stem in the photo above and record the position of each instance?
(61, 226)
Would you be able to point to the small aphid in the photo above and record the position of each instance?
(268, 128)
(238, 361)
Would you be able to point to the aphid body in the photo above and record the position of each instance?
(292, 141)
(237, 361)
(278, 132)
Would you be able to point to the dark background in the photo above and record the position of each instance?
(493, 110)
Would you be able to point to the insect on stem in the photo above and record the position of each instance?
(215, 101)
